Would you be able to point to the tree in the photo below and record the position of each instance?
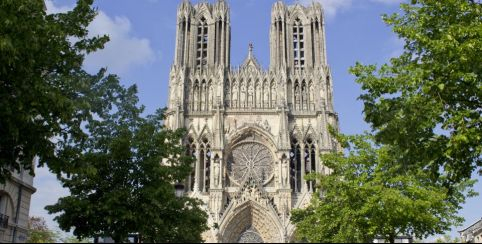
(371, 194)
(427, 102)
(73, 239)
(117, 183)
(447, 239)
(39, 99)
(38, 231)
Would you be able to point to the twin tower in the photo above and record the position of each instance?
(255, 133)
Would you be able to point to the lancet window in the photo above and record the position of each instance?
(302, 162)
(295, 166)
(191, 151)
(204, 163)
(202, 44)
(298, 45)
(310, 161)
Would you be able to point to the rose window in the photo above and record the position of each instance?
(251, 160)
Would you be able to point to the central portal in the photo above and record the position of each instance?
(250, 236)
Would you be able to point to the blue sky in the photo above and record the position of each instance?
(142, 46)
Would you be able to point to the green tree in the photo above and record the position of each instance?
(369, 194)
(427, 102)
(38, 231)
(73, 239)
(447, 239)
(117, 183)
(39, 100)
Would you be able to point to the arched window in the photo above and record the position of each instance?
(295, 166)
(205, 163)
(290, 94)
(5, 209)
(310, 160)
(191, 151)
(298, 45)
(202, 44)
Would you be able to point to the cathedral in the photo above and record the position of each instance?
(255, 133)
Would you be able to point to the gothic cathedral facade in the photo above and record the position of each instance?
(254, 133)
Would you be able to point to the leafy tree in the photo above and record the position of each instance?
(39, 99)
(73, 239)
(427, 102)
(371, 194)
(117, 182)
(447, 239)
(38, 231)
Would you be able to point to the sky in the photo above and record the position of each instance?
(141, 52)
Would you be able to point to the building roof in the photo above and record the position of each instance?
(476, 225)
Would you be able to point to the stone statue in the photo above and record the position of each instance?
(243, 95)
(216, 171)
(250, 95)
(235, 95)
(284, 172)
(211, 95)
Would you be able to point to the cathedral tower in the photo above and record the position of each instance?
(255, 133)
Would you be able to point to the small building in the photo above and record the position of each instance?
(473, 233)
(398, 239)
(15, 195)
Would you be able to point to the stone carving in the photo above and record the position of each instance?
(284, 172)
(266, 126)
(250, 236)
(251, 160)
(216, 171)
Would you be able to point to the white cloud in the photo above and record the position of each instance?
(331, 7)
(123, 52)
(52, 9)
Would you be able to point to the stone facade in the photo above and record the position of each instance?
(255, 133)
(15, 197)
(473, 233)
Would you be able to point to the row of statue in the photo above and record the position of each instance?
(301, 96)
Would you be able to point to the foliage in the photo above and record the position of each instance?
(73, 239)
(38, 231)
(370, 193)
(117, 182)
(447, 239)
(39, 100)
(427, 102)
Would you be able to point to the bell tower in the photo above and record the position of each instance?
(203, 35)
(297, 37)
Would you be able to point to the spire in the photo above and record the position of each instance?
(251, 60)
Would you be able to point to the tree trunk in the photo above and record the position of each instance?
(391, 238)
